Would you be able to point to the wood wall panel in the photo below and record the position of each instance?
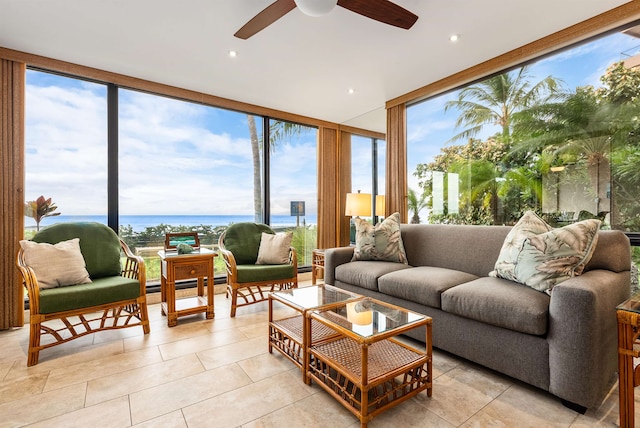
(12, 93)
(327, 185)
(396, 186)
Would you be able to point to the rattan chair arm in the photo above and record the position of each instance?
(293, 258)
(30, 282)
(134, 267)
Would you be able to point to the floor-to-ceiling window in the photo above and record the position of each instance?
(558, 136)
(293, 189)
(181, 166)
(368, 160)
(65, 150)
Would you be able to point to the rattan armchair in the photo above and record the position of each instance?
(115, 298)
(247, 282)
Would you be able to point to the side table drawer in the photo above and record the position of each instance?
(191, 270)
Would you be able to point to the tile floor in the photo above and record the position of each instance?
(219, 373)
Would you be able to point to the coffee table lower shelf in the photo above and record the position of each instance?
(392, 374)
(286, 335)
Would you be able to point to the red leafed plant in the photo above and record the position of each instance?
(39, 209)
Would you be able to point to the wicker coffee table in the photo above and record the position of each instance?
(361, 364)
(287, 335)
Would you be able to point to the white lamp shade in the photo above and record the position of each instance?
(316, 7)
(357, 315)
(380, 207)
(358, 204)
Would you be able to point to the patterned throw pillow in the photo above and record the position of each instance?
(56, 265)
(550, 258)
(382, 242)
(529, 225)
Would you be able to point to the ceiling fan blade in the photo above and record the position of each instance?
(382, 11)
(265, 18)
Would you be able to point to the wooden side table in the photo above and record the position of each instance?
(176, 267)
(628, 314)
(317, 265)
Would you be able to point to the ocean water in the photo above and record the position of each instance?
(140, 222)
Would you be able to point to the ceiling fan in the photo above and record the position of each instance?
(380, 10)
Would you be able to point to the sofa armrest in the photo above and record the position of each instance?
(334, 257)
(583, 334)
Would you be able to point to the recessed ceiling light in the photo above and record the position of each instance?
(454, 37)
(351, 91)
(233, 54)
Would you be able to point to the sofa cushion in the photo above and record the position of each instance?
(555, 256)
(422, 284)
(500, 302)
(380, 242)
(530, 224)
(101, 291)
(365, 274)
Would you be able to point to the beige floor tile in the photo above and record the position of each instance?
(110, 414)
(319, 410)
(5, 367)
(266, 365)
(243, 405)
(67, 357)
(120, 384)
(462, 392)
(170, 420)
(409, 414)
(443, 362)
(18, 388)
(162, 399)
(518, 407)
(42, 406)
(101, 367)
(606, 415)
(161, 334)
(203, 342)
(234, 352)
(260, 329)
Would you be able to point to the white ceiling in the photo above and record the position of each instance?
(300, 64)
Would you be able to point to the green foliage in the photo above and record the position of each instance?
(596, 130)
(416, 203)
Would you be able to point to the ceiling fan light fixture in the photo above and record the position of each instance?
(316, 7)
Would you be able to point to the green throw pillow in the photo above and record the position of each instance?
(555, 256)
(381, 242)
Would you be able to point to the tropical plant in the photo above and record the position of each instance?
(278, 131)
(39, 209)
(415, 204)
(501, 100)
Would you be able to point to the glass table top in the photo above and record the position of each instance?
(632, 304)
(315, 296)
(368, 317)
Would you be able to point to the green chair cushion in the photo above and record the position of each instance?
(99, 292)
(253, 273)
(243, 240)
(100, 246)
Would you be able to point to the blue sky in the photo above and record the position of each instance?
(175, 157)
(183, 158)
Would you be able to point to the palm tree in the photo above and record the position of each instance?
(278, 131)
(499, 100)
(415, 204)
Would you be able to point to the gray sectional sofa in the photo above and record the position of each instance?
(564, 343)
